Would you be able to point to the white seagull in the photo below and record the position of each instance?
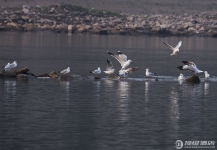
(96, 72)
(174, 49)
(109, 68)
(190, 66)
(65, 71)
(122, 58)
(125, 73)
(9, 66)
(206, 75)
(148, 73)
(181, 77)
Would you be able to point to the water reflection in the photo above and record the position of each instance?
(146, 90)
(174, 108)
(66, 85)
(206, 88)
(10, 89)
(123, 94)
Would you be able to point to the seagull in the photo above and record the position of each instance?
(96, 72)
(174, 49)
(190, 66)
(206, 75)
(65, 71)
(109, 68)
(13, 65)
(149, 74)
(122, 59)
(9, 66)
(181, 77)
(125, 73)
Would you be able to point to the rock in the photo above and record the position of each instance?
(22, 71)
(191, 29)
(24, 76)
(25, 11)
(45, 75)
(80, 30)
(103, 32)
(8, 75)
(76, 77)
(194, 79)
(70, 28)
(53, 75)
(64, 77)
(28, 27)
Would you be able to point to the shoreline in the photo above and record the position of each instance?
(75, 19)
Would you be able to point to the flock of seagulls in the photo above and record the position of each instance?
(125, 71)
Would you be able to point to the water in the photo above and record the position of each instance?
(105, 114)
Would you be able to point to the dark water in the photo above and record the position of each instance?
(106, 114)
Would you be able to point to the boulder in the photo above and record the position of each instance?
(21, 71)
(45, 75)
(64, 77)
(194, 79)
(24, 76)
(53, 74)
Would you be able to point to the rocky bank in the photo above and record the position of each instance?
(76, 19)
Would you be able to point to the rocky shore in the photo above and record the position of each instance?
(76, 19)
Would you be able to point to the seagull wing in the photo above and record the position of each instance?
(172, 48)
(131, 70)
(189, 63)
(109, 65)
(63, 71)
(122, 56)
(179, 44)
(121, 61)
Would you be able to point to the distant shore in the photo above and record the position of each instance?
(76, 19)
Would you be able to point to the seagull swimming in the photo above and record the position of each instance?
(174, 49)
(65, 71)
(9, 66)
(190, 66)
(181, 77)
(109, 68)
(125, 73)
(206, 75)
(149, 74)
(122, 58)
(96, 72)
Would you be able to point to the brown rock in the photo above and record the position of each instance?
(53, 75)
(193, 79)
(22, 71)
(43, 75)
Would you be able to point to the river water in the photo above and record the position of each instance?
(136, 113)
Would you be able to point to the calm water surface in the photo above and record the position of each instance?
(105, 114)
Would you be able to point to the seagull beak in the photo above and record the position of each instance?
(133, 63)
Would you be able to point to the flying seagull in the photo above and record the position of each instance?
(122, 58)
(190, 66)
(174, 49)
(148, 73)
(65, 71)
(109, 68)
(126, 73)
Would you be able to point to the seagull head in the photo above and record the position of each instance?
(131, 61)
